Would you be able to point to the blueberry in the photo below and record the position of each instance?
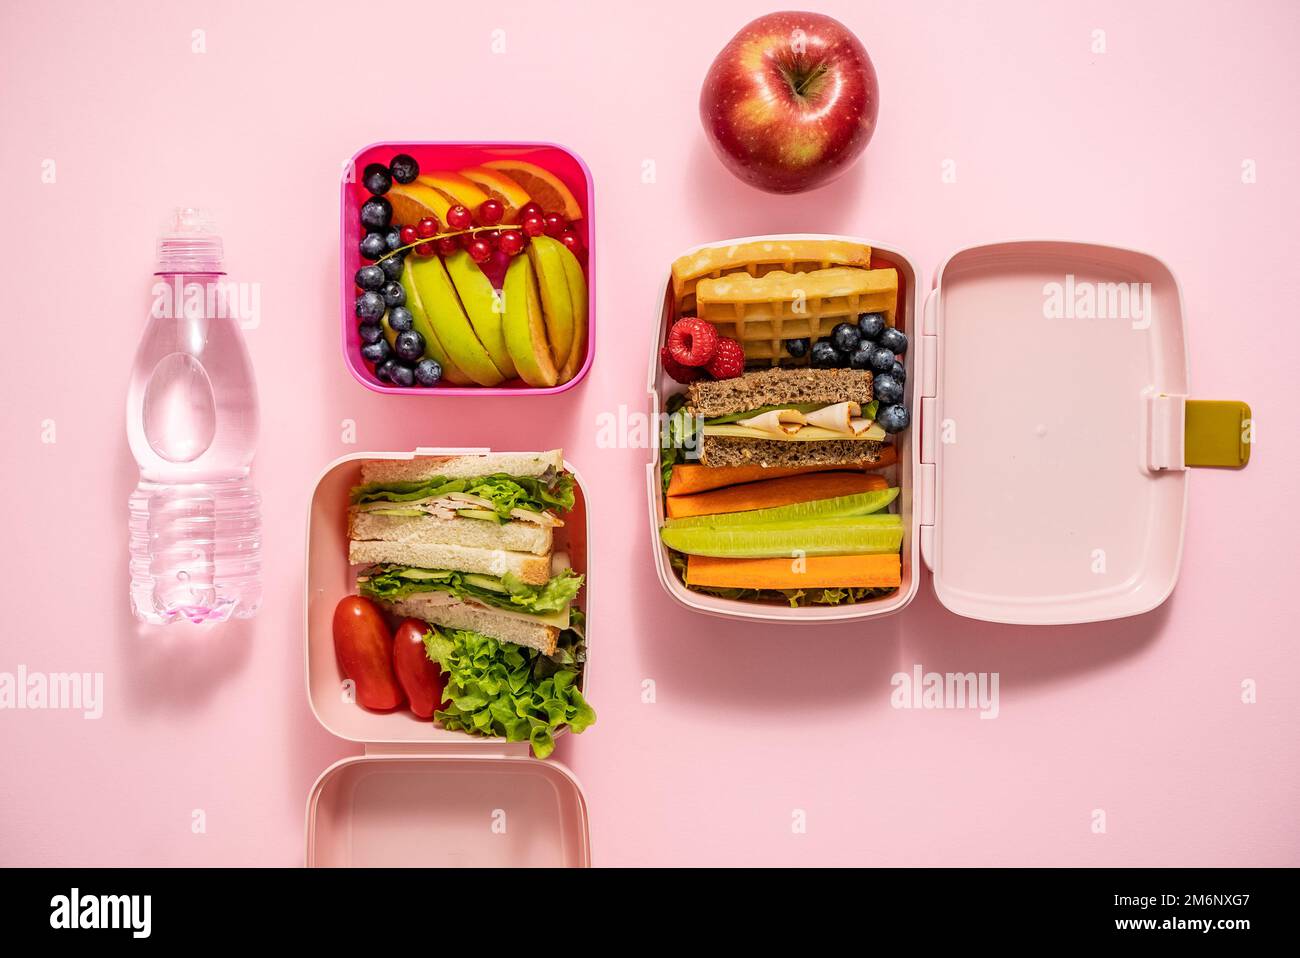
(370, 333)
(409, 345)
(895, 340)
(376, 213)
(427, 372)
(846, 338)
(383, 370)
(894, 418)
(377, 351)
(861, 357)
(392, 237)
(400, 319)
(887, 389)
(871, 325)
(373, 246)
(393, 294)
(898, 372)
(404, 168)
(370, 277)
(393, 266)
(798, 348)
(377, 179)
(882, 360)
(824, 355)
(370, 306)
(401, 374)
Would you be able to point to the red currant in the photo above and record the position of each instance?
(480, 251)
(465, 239)
(448, 245)
(409, 235)
(459, 218)
(493, 238)
(427, 227)
(533, 225)
(512, 242)
(490, 212)
(424, 249)
(529, 209)
(555, 224)
(572, 241)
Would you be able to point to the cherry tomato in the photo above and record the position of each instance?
(364, 647)
(420, 678)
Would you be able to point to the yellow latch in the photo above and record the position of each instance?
(1217, 432)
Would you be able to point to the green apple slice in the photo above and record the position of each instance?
(483, 307)
(433, 348)
(456, 335)
(578, 296)
(525, 327)
(557, 307)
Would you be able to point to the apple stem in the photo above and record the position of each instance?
(802, 82)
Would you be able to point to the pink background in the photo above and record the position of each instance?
(1140, 146)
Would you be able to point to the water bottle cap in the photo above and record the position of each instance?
(189, 244)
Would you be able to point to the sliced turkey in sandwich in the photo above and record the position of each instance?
(467, 542)
(787, 417)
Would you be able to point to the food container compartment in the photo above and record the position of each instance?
(456, 156)
(329, 578)
(1061, 503)
(661, 386)
(400, 811)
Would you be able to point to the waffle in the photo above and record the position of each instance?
(759, 257)
(762, 311)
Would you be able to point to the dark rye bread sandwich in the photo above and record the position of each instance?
(786, 417)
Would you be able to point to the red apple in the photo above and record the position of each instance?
(790, 102)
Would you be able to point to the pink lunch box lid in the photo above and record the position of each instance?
(1053, 485)
(422, 796)
(564, 163)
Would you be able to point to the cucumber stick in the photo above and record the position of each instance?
(809, 539)
(858, 504)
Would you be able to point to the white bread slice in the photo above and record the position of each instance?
(461, 467)
(427, 530)
(532, 569)
(477, 618)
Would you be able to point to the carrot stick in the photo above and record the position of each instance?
(774, 492)
(690, 478)
(811, 572)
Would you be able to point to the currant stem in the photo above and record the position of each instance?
(433, 239)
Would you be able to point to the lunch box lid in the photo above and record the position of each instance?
(1056, 432)
(422, 796)
(399, 809)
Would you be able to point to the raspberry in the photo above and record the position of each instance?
(683, 374)
(691, 341)
(728, 360)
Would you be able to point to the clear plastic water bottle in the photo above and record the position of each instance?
(191, 419)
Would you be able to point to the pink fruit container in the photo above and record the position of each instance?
(431, 156)
(1044, 478)
(419, 795)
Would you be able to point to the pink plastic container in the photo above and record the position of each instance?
(1043, 479)
(566, 165)
(419, 795)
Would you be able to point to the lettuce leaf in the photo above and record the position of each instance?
(551, 490)
(678, 437)
(389, 583)
(497, 688)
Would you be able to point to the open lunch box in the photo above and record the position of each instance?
(420, 795)
(455, 296)
(1044, 477)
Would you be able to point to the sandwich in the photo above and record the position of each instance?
(787, 418)
(467, 542)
